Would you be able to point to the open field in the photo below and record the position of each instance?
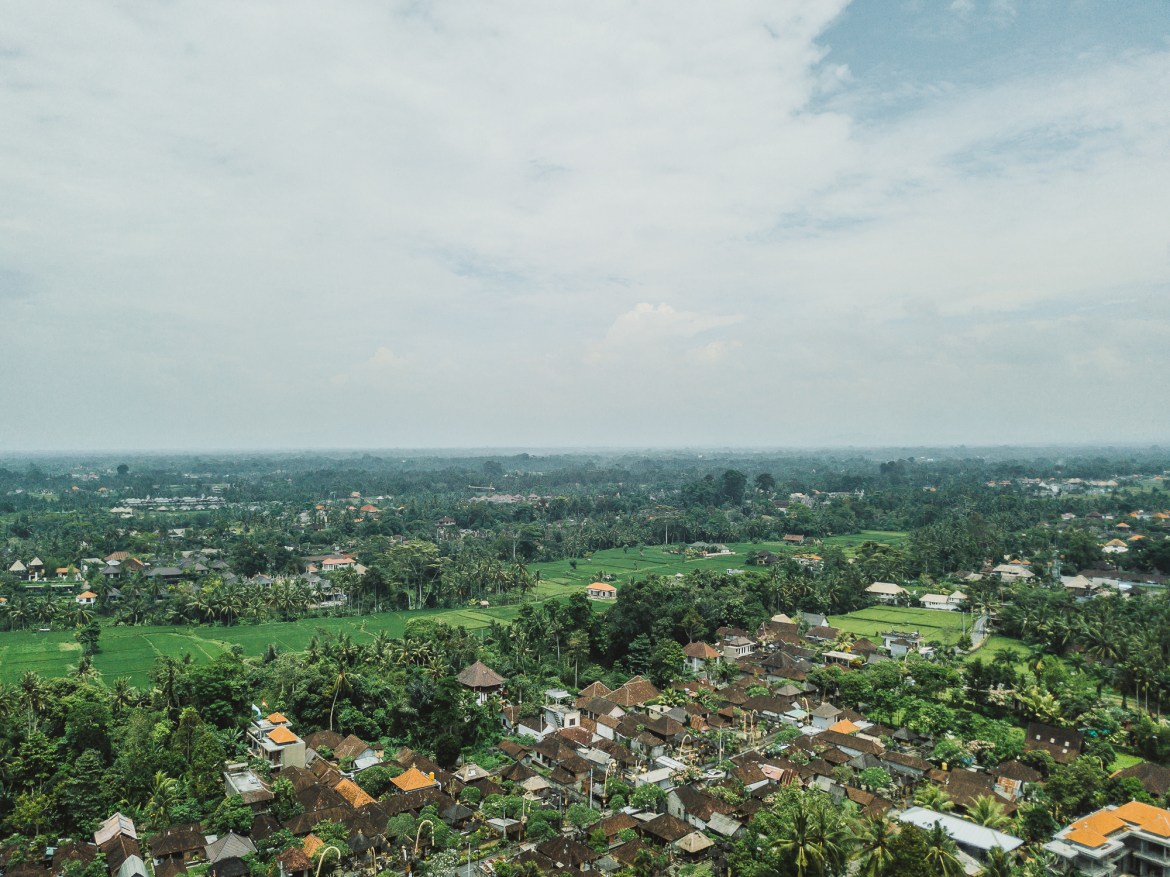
(559, 578)
(934, 624)
(131, 651)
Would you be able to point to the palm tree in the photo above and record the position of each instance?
(812, 841)
(941, 853)
(876, 845)
(932, 797)
(342, 682)
(999, 864)
(122, 695)
(164, 797)
(33, 694)
(987, 811)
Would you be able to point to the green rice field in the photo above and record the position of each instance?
(559, 577)
(132, 651)
(933, 624)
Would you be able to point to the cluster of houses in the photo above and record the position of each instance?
(188, 566)
(704, 746)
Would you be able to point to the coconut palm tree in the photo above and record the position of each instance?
(932, 797)
(941, 853)
(123, 696)
(812, 841)
(999, 864)
(985, 810)
(33, 695)
(164, 796)
(877, 838)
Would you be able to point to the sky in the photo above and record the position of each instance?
(381, 224)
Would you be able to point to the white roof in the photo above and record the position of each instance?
(957, 595)
(888, 588)
(933, 598)
(961, 831)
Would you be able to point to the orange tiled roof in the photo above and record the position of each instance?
(601, 586)
(412, 779)
(277, 719)
(1155, 820)
(844, 727)
(1101, 822)
(282, 734)
(312, 844)
(86, 595)
(1086, 838)
(353, 793)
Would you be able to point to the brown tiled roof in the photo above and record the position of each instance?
(702, 651)
(634, 693)
(567, 853)
(700, 804)
(177, 839)
(628, 852)
(328, 739)
(118, 849)
(594, 689)
(170, 868)
(666, 828)
(845, 741)
(351, 747)
(1154, 778)
(294, 859)
(479, 675)
(617, 823)
(1063, 744)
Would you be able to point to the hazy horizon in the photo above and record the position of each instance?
(767, 224)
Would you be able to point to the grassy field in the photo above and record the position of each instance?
(559, 578)
(933, 624)
(946, 627)
(131, 651)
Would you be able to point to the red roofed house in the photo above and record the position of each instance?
(601, 591)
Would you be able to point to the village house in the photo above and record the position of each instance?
(481, 679)
(601, 591)
(696, 656)
(936, 601)
(272, 739)
(886, 592)
(1063, 744)
(1131, 839)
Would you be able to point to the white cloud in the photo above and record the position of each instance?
(259, 195)
(383, 366)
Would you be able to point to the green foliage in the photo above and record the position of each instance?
(231, 814)
(376, 780)
(648, 797)
(580, 816)
(95, 868)
(284, 804)
(874, 778)
(908, 854)
(332, 833)
(470, 796)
